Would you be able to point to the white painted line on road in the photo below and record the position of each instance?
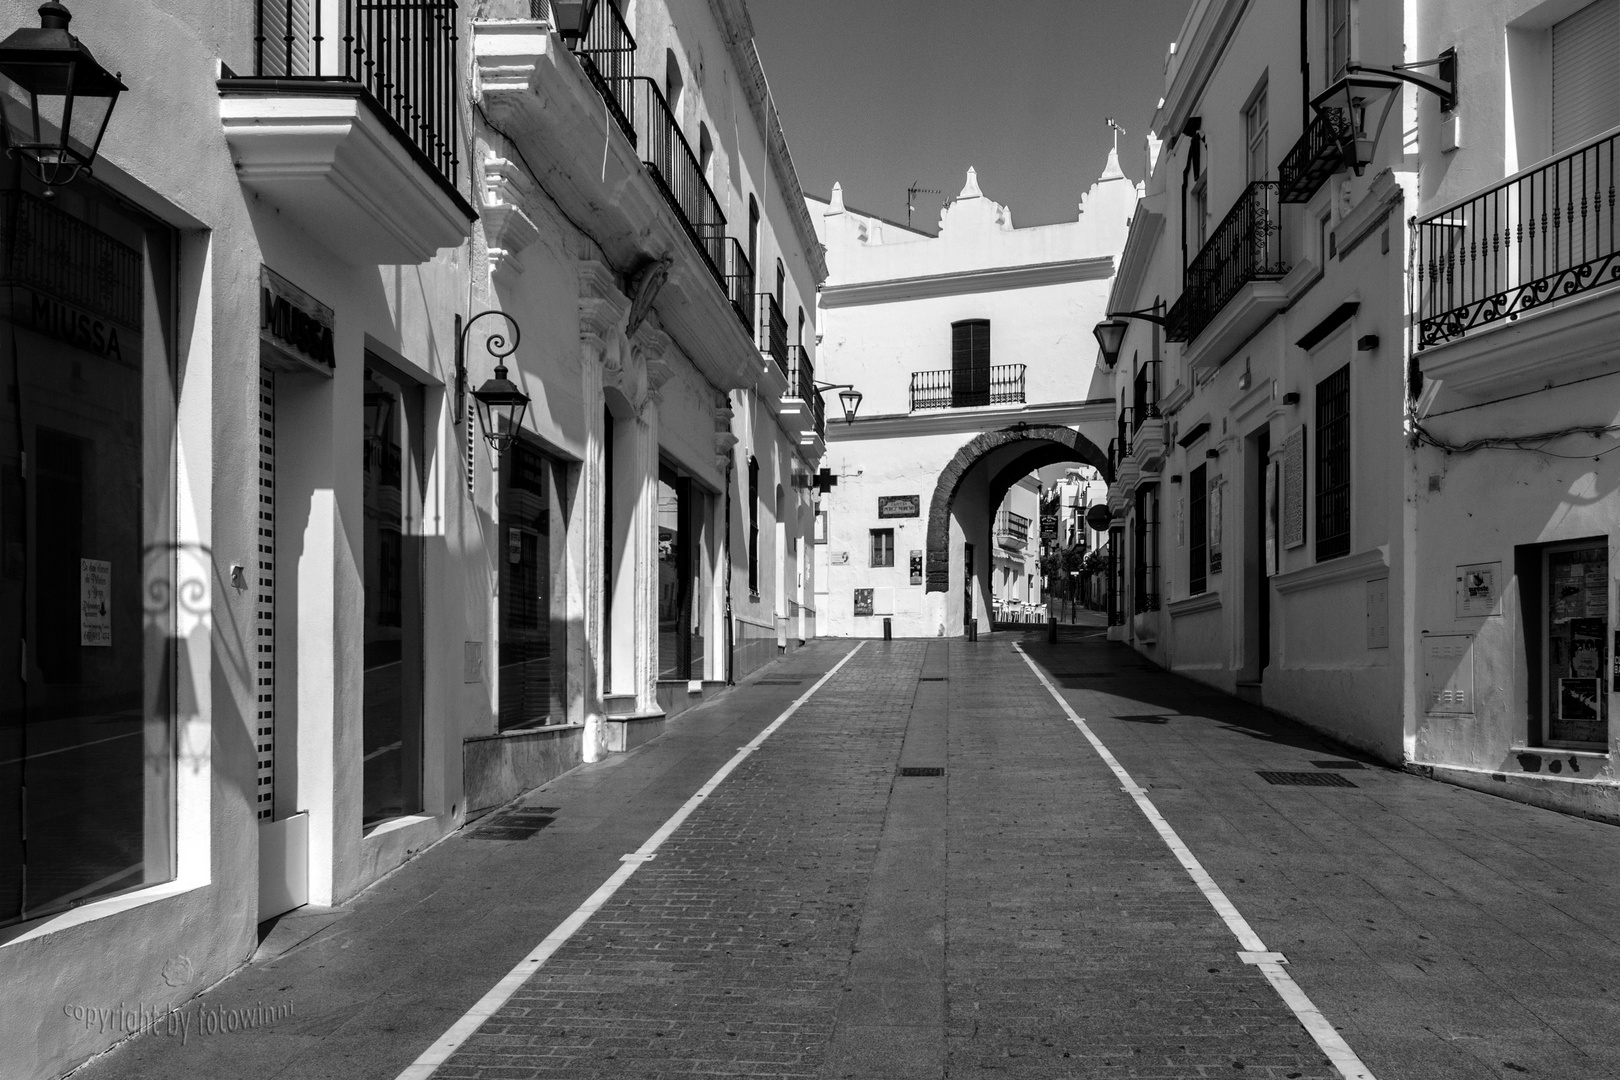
(490, 1003)
(1310, 1017)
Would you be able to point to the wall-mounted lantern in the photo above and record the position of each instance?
(501, 405)
(54, 98)
(1110, 333)
(1365, 96)
(848, 397)
(572, 17)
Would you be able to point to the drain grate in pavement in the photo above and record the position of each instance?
(933, 678)
(778, 682)
(1145, 718)
(1305, 779)
(921, 770)
(1338, 763)
(514, 824)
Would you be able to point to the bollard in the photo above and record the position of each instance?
(1051, 630)
(973, 630)
(888, 630)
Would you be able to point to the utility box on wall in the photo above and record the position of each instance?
(1448, 674)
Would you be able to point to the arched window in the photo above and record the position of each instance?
(673, 84)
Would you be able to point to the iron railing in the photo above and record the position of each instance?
(739, 281)
(1126, 429)
(607, 52)
(945, 390)
(770, 330)
(1012, 527)
(1317, 155)
(802, 385)
(668, 156)
(1246, 247)
(402, 51)
(1541, 236)
(1145, 395)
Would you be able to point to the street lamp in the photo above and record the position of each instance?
(1350, 104)
(848, 397)
(1110, 333)
(572, 17)
(54, 98)
(501, 405)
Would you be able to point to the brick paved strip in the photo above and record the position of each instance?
(1254, 951)
(526, 969)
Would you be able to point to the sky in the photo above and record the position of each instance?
(884, 94)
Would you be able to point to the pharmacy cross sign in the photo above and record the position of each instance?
(825, 481)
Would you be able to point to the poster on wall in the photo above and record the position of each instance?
(899, 506)
(1293, 485)
(1214, 511)
(1479, 588)
(916, 567)
(95, 617)
(863, 602)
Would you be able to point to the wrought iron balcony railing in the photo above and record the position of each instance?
(1245, 247)
(1145, 395)
(1317, 155)
(670, 160)
(948, 389)
(1544, 235)
(802, 385)
(770, 330)
(402, 51)
(739, 281)
(1126, 429)
(607, 52)
(1012, 530)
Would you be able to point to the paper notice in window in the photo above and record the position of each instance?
(95, 602)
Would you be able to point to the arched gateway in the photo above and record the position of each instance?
(998, 458)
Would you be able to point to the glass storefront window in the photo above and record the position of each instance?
(1577, 657)
(534, 613)
(394, 474)
(96, 597)
(680, 577)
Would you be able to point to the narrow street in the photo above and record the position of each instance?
(821, 913)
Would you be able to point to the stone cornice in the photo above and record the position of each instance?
(991, 279)
(973, 421)
(507, 229)
(1192, 605)
(1366, 566)
(601, 305)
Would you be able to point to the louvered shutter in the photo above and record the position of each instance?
(970, 363)
(1586, 74)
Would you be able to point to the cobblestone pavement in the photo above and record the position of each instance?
(826, 914)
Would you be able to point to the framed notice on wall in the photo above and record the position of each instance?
(899, 506)
(1293, 489)
(916, 567)
(863, 601)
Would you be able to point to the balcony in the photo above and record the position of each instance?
(607, 53)
(802, 407)
(1317, 155)
(669, 158)
(348, 124)
(739, 282)
(1241, 266)
(770, 332)
(1012, 531)
(1524, 260)
(948, 389)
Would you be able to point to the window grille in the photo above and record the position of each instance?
(1333, 465)
(1197, 531)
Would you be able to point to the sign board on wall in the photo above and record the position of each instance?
(916, 567)
(863, 602)
(1479, 590)
(296, 327)
(95, 594)
(1293, 489)
(899, 506)
(1049, 526)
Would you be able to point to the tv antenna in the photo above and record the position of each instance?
(911, 198)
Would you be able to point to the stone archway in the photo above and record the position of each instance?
(1060, 444)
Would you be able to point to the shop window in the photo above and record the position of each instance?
(1333, 465)
(970, 363)
(98, 603)
(882, 547)
(1564, 603)
(533, 608)
(680, 585)
(392, 566)
(1197, 531)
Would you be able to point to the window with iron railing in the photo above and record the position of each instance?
(1544, 236)
(1012, 529)
(939, 389)
(669, 158)
(739, 281)
(1245, 247)
(1316, 155)
(1333, 465)
(771, 330)
(607, 52)
(1126, 428)
(1145, 395)
(402, 51)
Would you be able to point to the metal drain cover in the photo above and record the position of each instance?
(1304, 779)
(1145, 718)
(1338, 763)
(922, 770)
(514, 824)
(932, 678)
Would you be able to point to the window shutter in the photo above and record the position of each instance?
(1586, 74)
(970, 363)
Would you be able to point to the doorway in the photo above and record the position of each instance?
(1263, 500)
(967, 588)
